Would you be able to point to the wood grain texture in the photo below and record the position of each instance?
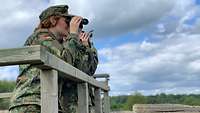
(49, 91)
(69, 71)
(5, 95)
(16, 56)
(83, 98)
(98, 100)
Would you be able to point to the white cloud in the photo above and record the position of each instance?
(112, 18)
(21, 17)
(194, 66)
(8, 73)
(171, 63)
(18, 20)
(148, 66)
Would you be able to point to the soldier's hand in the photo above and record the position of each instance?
(84, 38)
(74, 24)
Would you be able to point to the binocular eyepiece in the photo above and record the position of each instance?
(84, 21)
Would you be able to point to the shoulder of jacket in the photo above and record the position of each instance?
(43, 34)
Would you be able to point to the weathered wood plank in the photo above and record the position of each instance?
(39, 55)
(52, 61)
(4, 111)
(106, 102)
(49, 91)
(160, 108)
(98, 102)
(16, 56)
(83, 98)
(101, 75)
(5, 95)
(50, 65)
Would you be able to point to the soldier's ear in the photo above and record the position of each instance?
(53, 21)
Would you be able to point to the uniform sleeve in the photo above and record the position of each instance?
(40, 39)
(83, 58)
(47, 42)
(70, 49)
(92, 59)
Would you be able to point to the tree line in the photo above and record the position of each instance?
(122, 102)
(5, 86)
(125, 102)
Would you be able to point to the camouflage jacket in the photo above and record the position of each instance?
(83, 58)
(27, 89)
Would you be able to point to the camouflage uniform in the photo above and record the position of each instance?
(26, 96)
(27, 91)
(84, 58)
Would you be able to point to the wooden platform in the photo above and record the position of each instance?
(51, 68)
(3, 111)
(165, 108)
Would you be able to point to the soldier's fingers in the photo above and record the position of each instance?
(77, 19)
(86, 36)
(80, 35)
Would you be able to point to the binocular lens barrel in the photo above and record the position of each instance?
(84, 21)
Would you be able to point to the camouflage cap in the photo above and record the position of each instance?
(60, 10)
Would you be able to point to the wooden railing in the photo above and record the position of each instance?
(50, 66)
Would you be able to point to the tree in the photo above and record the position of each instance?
(136, 98)
(5, 86)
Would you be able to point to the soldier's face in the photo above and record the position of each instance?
(62, 27)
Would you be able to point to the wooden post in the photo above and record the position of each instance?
(83, 96)
(106, 99)
(49, 91)
(98, 102)
(106, 102)
(5, 95)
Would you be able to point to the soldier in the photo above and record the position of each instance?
(52, 29)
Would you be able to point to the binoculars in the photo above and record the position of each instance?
(84, 21)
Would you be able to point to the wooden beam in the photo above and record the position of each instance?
(101, 75)
(39, 55)
(83, 98)
(54, 62)
(17, 56)
(50, 65)
(5, 95)
(106, 102)
(49, 91)
(98, 102)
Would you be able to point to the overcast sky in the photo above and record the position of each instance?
(148, 46)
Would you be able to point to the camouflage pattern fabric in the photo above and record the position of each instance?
(59, 10)
(26, 109)
(27, 91)
(85, 59)
(68, 97)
